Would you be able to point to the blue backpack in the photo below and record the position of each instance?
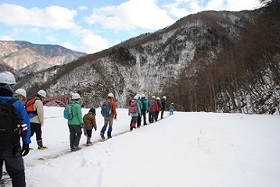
(151, 103)
(106, 109)
(67, 113)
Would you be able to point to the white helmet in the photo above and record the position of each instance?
(111, 95)
(153, 96)
(164, 97)
(42, 93)
(7, 77)
(76, 96)
(158, 98)
(21, 91)
(137, 96)
(142, 95)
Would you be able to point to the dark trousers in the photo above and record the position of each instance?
(14, 166)
(36, 128)
(156, 115)
(151, 117)
(139, 121)
(161, 115)
(75, 135)
(89, 133)
(143, 113)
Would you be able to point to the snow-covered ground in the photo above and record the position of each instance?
(195, 149)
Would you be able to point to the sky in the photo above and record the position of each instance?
(196, 149)
(91, 26)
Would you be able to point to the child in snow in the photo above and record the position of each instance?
(89, 124)
(171, 109)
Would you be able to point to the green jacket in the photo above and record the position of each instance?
(77, 114)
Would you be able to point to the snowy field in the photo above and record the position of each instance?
(187, 149)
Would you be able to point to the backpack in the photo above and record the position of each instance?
(67, 113)
(9, 124)
(29, 106)
(133, 107)
(106, 109)
(144, 104)
(151, 103)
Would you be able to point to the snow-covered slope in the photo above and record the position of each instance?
(186, 149)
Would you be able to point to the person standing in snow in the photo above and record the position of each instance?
(108, 119)
(76, 123)
(153, 107)
(137, 97)
(36, 116)
(163, 100)
(144, 109)
(158, 109)
(134, 110)
(11, 152)
(89, 124)
(171, 109)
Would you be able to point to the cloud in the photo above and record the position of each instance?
(6, 38)
(54, 17)
(131, 15)
(90, 41)
(181, 8)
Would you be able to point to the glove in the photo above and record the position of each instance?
(85, 132)
(25, 149)
(82, 125)
(147, 111)
(115, 117)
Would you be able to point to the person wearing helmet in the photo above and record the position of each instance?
(76, 123)
(158, 109)
(144, 108)
(171, 109)
(36, 116)
(134, 110)
(21, 95)
(138, 97)
(153, 107)
(108, 120)
(11, 152)
(163, 100)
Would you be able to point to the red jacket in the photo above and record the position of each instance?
(155, 107)
(113, 108)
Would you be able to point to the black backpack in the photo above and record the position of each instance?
(9, 124)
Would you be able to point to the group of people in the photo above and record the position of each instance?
(139, 106)
(29, 120)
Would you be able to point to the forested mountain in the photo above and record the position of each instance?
(211, 61)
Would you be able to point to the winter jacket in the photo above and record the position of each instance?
(159, 105)
(163, 104)
(140, 104)
(138, 113)
(155, 107)
(113, 108)
(77, 114)
(144, 104)
(89, 121)
(23, 117)
(38, 107)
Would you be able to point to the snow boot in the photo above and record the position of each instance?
(88, 141)
(102, 135)
(40, 145)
